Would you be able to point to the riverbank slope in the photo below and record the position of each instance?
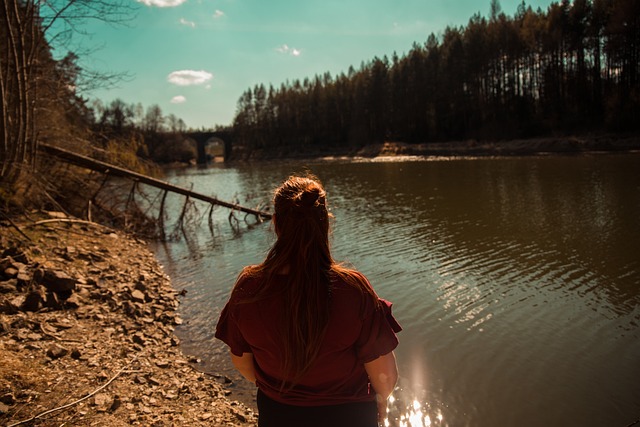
(86, 334)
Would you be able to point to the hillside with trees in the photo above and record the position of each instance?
(43, 101)
(570, 69)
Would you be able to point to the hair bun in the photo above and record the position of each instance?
(311, 198)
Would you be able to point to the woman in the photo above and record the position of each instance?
(311, 334)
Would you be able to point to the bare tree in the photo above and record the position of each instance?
(29, 29)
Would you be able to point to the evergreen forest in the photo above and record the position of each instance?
(570, 69)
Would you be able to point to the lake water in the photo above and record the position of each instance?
(516, 280)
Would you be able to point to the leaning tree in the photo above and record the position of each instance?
(30, 30)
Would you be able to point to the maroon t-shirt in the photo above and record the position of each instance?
(358, 332)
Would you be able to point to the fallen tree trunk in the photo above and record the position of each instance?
(107, 169)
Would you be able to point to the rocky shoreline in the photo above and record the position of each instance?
(87, 321)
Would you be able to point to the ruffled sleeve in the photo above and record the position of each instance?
(228, 331)
(378, 333)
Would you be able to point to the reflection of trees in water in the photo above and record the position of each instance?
(159, 214)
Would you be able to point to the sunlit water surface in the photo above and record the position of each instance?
(517, 280)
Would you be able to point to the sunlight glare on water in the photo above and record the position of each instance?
(415, 414)
(511, 278)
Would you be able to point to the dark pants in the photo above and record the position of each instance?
(276, 414)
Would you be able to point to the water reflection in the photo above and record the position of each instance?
(413, 414)
(512, 278)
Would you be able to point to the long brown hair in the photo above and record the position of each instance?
(302, 251)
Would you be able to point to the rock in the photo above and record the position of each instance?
(58, 281)
(4, 327)
(163, 364)
(9, 286)
(57, 215)
(139, 338)
(12, 305)
(74, 301)
(8, 398)
(153, 381)
(38, 275)
(240, 416)
(34, 300)
(5, 262)
(56, 352)
(52, 300)
(10, 272)
(115, 404)
(140, 286)
(138, 296)
(103, 401)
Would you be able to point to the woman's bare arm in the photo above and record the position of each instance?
(383, 375)
(244, 364)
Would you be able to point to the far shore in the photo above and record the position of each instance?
(561, 145)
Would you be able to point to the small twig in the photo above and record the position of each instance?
(14, 225)
(68, 405)
(57, 338)
(74, 221)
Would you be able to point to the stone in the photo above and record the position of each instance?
(52, 300)
(138, 338)
(8, 398)
(74, 301)
(58, 281)
(57, 215)
(56, 351)
(138, 296)
(11, 272)
(103, 401)
(34, 300)
(12, 305)
(117, 402)
(4, 327)
(163, 364)
(9, 286)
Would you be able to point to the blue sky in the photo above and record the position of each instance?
(194, 58)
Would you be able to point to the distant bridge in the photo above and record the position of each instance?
(210, 144)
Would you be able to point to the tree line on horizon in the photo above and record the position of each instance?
(570, 69)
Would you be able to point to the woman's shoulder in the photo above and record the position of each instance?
(352, 278)
(353, 283)
(248, 280)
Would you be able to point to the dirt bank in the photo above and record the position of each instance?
(86, 334)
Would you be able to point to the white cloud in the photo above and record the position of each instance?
(189, 77)
(178, 99)
(287, 50)
(162, 3)
(218, 14)
(187, 23)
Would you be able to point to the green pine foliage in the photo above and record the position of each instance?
(570, 69)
